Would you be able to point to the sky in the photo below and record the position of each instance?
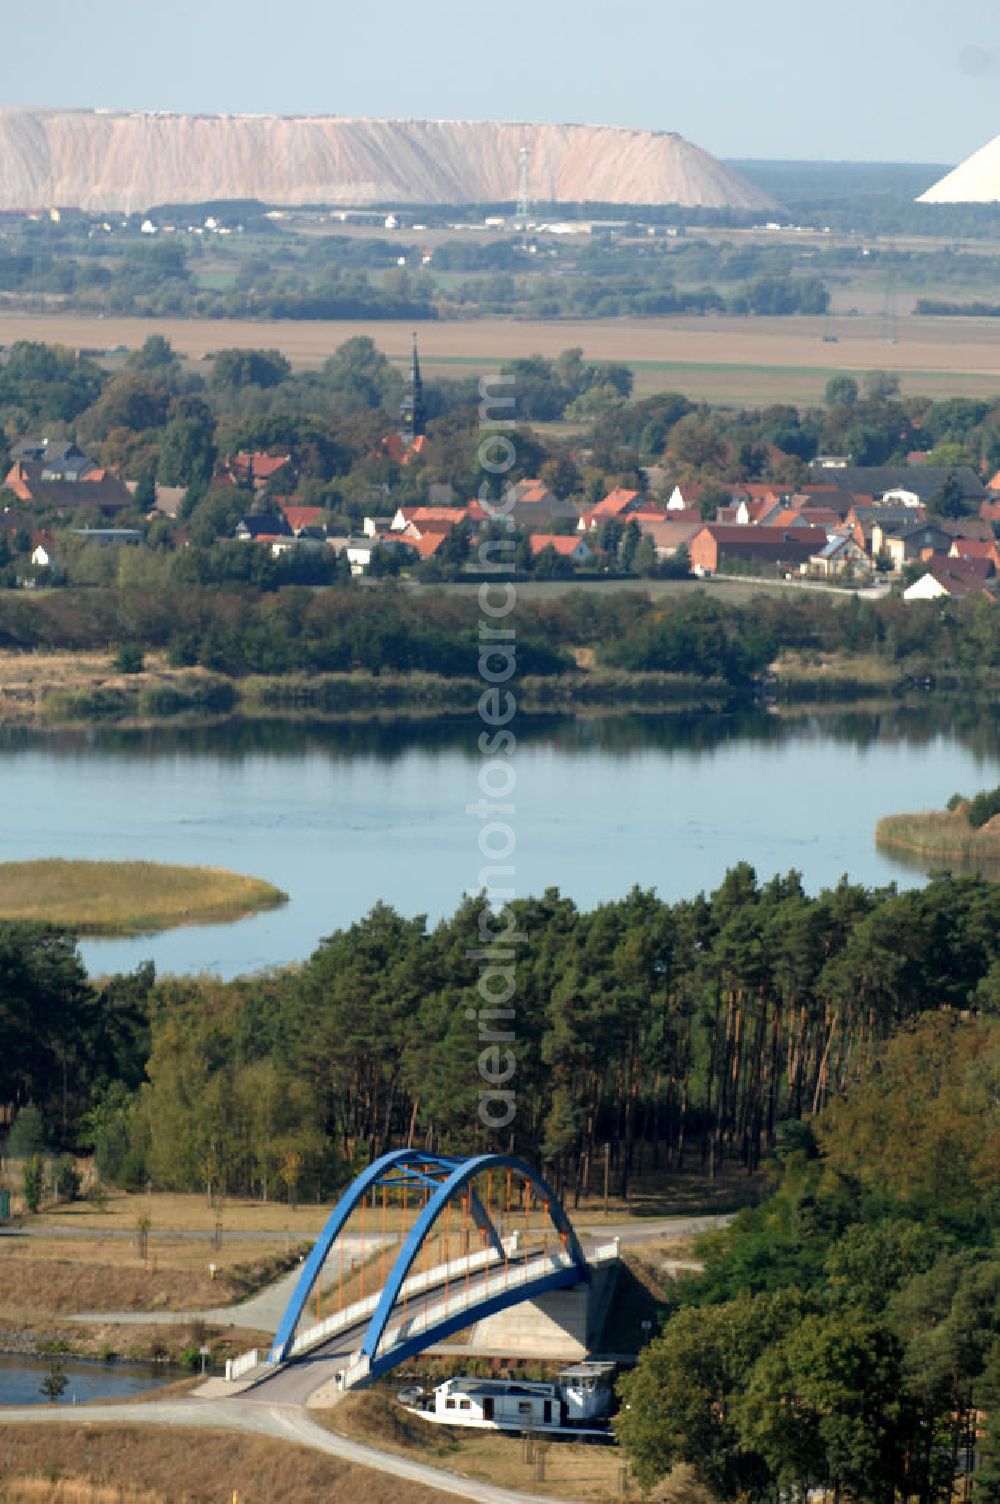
(862, 80)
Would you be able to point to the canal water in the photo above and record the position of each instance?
(21, 1381)
(341, 817)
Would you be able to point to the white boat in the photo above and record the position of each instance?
(575, 1403)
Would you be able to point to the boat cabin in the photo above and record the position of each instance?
(579, 1397)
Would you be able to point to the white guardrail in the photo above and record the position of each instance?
(419, 1284)
(245, 1363)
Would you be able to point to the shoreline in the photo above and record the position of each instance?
(61, 691)
(938, 835)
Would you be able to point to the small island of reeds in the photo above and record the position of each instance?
(128, 898)
(968, 830)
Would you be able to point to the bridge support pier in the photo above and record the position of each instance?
(564, 1325)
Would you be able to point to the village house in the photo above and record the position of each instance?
(262, 527)
(416, 520)
(682, 498)
(840, 555)
(862, 521)
(668, 537)
(57, 459)
(254, 469)
(63, 476)
(976, 548)
(901, 544)
(372, 526)
(968, 528)
(617, 506)
(303, 521)
(359, 550)
(566, 545)
(909, 486)
(536, 507)
(952, 578)
(831, 498)
(424, 544)
(716, 546)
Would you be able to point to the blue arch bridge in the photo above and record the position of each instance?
(443, 1244)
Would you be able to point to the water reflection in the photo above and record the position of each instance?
(342, 815)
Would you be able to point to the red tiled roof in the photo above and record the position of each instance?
(959, 576)
(734, 533)
(820, 516)
(448, 516)
(427, 543)
(300, 517)
(264, 465)
(614, 504)
(660, 514)
(973, 548)
(565, 544)
(531, 491)
(676, 514)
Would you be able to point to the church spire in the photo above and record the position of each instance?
(411, 410)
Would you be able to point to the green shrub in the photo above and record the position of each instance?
(129, 659)
(33, 1182)
(28, 1136)
(65, 1178)
(983, 807)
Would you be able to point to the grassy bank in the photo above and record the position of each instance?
(126, 898)
(79, 1463)
(48, 691)
(571, 1468)
(832, 676)
(939, 835)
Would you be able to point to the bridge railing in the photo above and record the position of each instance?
(245, 1363)
(511, 1277)
(417, 1284)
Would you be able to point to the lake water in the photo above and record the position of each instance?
(340, 817)
(21, 1379)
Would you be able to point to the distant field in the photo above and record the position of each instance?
(719, 359)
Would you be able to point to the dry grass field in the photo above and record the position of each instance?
(182, 1212)
(86, 1464)
(42, 1277)
(124, 898)
(722, 359)
(579, 1469)
(939, 835)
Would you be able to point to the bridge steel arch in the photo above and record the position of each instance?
(465, 1171)
(417, 1167)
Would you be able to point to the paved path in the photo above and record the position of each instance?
(263, 1312)
(285, 1422)
(260, 1313)
(276, 1407)
(95, 1234)
(639, 1230)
